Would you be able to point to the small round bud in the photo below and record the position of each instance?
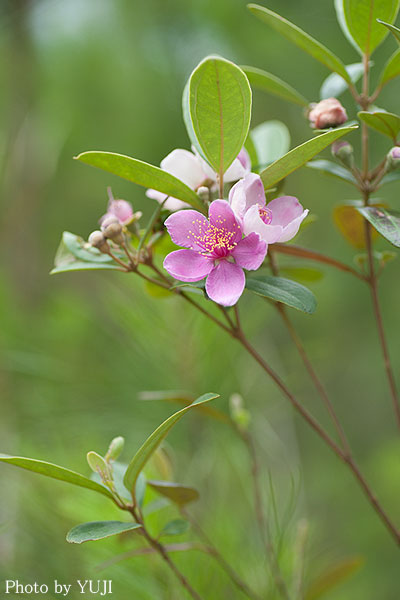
(109, 220)
(203, 193)
(115, 448)
(112, 230)
(97, 240)
(327, 113)
(392, 159)
(344, 152)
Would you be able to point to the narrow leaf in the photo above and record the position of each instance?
(184, 399)
(273, 85)
(391, 69)
(141, 173)
(358, 20)
(288, 292)
(386, 222)
(334, 85)
(300, 155)
(394, 30)
(175, 527)
(330, 168)
(333, 577)
(384, 122)
(178, 493)
(301, 39)
(79, 265)
(98, 530)
(220, 110)
(55, 472)
(144, 453)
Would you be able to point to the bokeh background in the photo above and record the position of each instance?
(77, 349)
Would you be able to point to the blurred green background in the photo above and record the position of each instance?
(77, 349)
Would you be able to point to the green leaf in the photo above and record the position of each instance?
(141, 173)
(384, 122)
(334, 85)
(386, 222)
(303, 274)
(391, 69)
(185, 399)
(271, 141)
(144, 453)
(392, 29)
(98, 530)
(330, 168)
(273, 85)
(220, 110)
(97, 463)
(300, 155)
(301, 39)
(74, 254)
(83, 266)
(333, 576)
(358, 20)
(288, 292)
(178, 493)
(82, 250)
(175, 527)
(55, 472)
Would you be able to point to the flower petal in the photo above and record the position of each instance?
(222, 216)
(250, 252)
(185, 166)
(244, 158)
(252, 222)
(184, 226)
(246, 193)
(235, 171)
(171, 204)
(284, 209)
(187, 265)
(225, 283)
(290, 230)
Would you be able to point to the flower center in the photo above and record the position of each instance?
(265, 214)
(215, 241)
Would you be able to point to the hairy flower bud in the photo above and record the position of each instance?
(393, 159)
(344, 152)
(115, 448)
(327, 113)
(112, 229)
(98, 240)
(203, 193)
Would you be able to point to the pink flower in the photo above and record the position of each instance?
(193, 170)
(277, 221)
(121, 209)
(327, 113)
(214, 248)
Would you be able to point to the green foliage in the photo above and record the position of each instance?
(334, 85)
(392, 28)
(288, 292)
(331, 168)
(98, 530)
(382, 121)
(391, 69)
(175, 527)
(271, 140)
(219, 99)
(333, 577)
(301, 39)
(300, 155)
(74, 254)
(358, 20)
(177, 492)
(97, 463)
(154, 440)
(350, 224)
(385, 221)
(55, 472)
(272, 84)
(141, 173)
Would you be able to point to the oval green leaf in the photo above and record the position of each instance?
(220, 110)
(98, 530)
(141, 173)
(144, 453)
(301, 39)
(394, 30)
(358, 20)
(391, 69)
(177, 492)
(55, 472)
(384, 122)
(175, 527)
(330, 168)
(334, 85)
(300, 155)
(271, 84)
(386, 222)
(271, 141)
(288, 292)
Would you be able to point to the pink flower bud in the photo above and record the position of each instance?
(395, 152)
(392, 159)
(344, 152)
(327, 113)
(120, 209)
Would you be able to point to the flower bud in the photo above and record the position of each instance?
(98, 465)
(98, 240)
(327, 113)
(203, 193)
(115, 448)
(392, 159)
(112, 229)
(344, 152)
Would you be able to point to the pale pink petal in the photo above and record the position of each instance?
(225, 283)
(235, 171)
(187, 265)
(244, 158)
(171, 204)
(252, 222)
(290, 230)
(284, 209)
(185, 227)
(120, 209)
(185, 166)
(238, 169)
(222, 216)
(250, 252)
(245, 193)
